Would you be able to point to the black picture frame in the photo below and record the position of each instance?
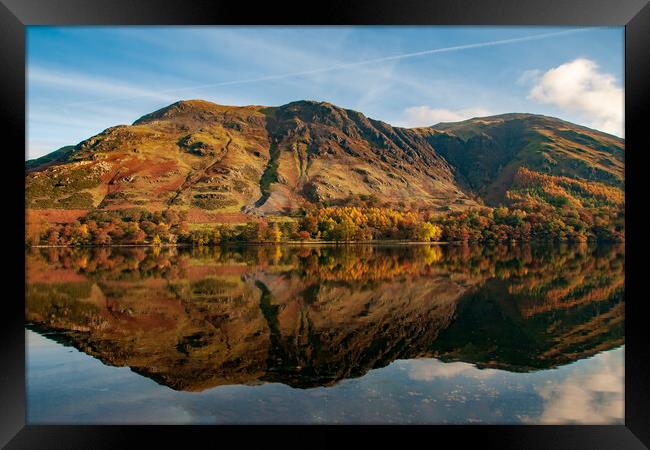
(16, 14)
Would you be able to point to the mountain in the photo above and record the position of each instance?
(219, 161)
(51, 158)
(200, 155)
(489, 151)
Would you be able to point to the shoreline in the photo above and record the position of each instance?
(327, 243)
(256, 244)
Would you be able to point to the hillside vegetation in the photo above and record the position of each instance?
(200, 172)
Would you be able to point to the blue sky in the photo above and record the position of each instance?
(81, 80)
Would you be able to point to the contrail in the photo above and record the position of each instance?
(348, 65)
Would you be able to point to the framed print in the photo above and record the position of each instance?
(261, 222)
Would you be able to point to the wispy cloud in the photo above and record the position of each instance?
(422, 116)
(94, 86)
(85, 81)
(528, 76)
(344, 66)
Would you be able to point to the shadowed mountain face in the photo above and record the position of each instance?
(312, 316)
(208, 158)
(490, 151)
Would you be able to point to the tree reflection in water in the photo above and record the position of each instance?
(311, 316)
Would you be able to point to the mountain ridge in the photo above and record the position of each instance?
(217, 161)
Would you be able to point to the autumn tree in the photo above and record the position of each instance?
(428, 232)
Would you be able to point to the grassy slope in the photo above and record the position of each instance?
(490, 151)
(210, 160)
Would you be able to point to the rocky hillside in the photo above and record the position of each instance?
(213, 160)
(199, 155)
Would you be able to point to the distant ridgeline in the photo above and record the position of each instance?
(197, 172)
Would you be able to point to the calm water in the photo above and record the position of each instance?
(351, 334)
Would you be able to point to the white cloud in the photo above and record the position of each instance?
(594, 397)
(424, 116)
(431, 369)
(579, 87)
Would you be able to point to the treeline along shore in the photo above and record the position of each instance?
(337, 224)
(199, 173)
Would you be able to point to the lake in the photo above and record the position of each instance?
(350, 334)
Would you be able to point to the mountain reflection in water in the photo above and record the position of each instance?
(307, 316)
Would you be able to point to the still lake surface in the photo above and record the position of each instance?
(326, 334)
